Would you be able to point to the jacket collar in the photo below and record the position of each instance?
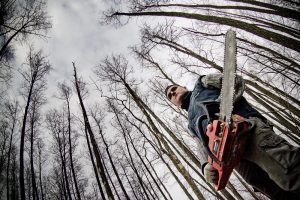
(186, 100)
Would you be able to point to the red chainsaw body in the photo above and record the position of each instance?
(227, 144)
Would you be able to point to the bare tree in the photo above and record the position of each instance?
(20, 19)
(66, 95)
(97, 115)
(11, 115)
(79, 89)
(243, 25)
(94, 165)
(34, 83)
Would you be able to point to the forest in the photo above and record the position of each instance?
(116, 136)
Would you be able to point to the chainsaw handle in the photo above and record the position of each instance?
(204, 138)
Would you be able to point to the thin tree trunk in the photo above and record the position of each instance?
(110, 179)
(70, 151)
(231, 187)
(15, 188)
(33, 178)
(133, 191)
(94, 166)
(285, 12)
(131, 159)
(283, 121)
(13, 113)
(211, 187)
(183, 187)
(136, 151)
(22, 142)
(246, 185)
(151, 190)
(145, 166)
(157, 177)
(171, 154)
(281, 13)
(93, 141)
(251, 28)
(8, 166)
(63, 187)
(40, 174)
(110, 158)
(63, 163)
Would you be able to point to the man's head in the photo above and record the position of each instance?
(175, 93)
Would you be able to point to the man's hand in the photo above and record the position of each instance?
(211, 174)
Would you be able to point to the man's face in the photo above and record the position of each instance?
(175, 94)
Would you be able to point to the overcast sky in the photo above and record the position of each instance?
(76, 35)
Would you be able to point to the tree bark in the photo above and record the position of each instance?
(22, 142)
(94, 166)
(251, 28)
(33, 177)
(93, 141)
(110, 157)
(70, 151)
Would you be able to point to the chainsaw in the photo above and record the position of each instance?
(227, 135)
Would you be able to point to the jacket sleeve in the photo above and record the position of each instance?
(215, 80)
(202, 155)
(202, 152)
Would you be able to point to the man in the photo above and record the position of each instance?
(270, 164)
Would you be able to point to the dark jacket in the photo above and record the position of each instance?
(195, 103)
(203, 102)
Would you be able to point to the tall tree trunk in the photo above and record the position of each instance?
(131, 161)
(177, 163)
(136, 151)
(40, 170)
(285, 12)
(280, 11)
(283, 121)
(110, 179)
(13, 113)
(132, 189)
(246, 185)
(94, 166)
(251, 28)
(70, 152)
(63, 184)
(33, 177)
(225, 193)
(93, 141)
(63, 163)
(151, 189)
(110, 157)
(157, 178)
(22, 143)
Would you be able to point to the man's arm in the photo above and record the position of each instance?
(215, 80)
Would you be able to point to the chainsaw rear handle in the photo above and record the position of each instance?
(204, 138)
